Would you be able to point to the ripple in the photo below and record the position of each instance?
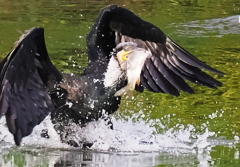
(212, 27)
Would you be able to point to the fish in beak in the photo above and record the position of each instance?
(131, 60)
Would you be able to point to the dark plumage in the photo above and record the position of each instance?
(31, 87)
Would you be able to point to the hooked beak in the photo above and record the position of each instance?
(123, 55)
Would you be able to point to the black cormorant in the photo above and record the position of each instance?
(125, 53)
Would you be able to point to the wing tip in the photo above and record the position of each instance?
(189, 59)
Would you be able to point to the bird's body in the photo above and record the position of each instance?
(31, 86)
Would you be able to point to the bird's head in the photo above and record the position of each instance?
(125, 66)
(126, 50)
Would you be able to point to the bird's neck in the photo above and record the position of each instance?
(114, 76)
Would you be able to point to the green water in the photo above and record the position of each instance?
(209, 29)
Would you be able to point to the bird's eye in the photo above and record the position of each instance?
(125, 48)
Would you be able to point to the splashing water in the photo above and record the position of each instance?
(127, 136)
(130, 143)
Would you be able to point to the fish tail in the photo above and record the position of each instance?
(127, 90)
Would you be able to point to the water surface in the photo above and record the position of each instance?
(153, 129)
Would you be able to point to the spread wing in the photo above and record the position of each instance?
(24, 98)
(168, 67)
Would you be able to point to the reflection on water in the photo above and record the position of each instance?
(87, 158)
(57, 158)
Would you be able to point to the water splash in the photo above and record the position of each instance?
(127, 136)
(35, 139)
(131, 143)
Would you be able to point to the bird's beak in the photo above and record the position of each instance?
(123, 55)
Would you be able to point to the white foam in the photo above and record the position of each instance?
(35, 138)
(127, 136)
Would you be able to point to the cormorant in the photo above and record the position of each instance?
(125, 53)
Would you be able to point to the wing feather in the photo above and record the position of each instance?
(174, 79)
(158, 78)
(169, 66)
(24, 98)
(148, 81)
